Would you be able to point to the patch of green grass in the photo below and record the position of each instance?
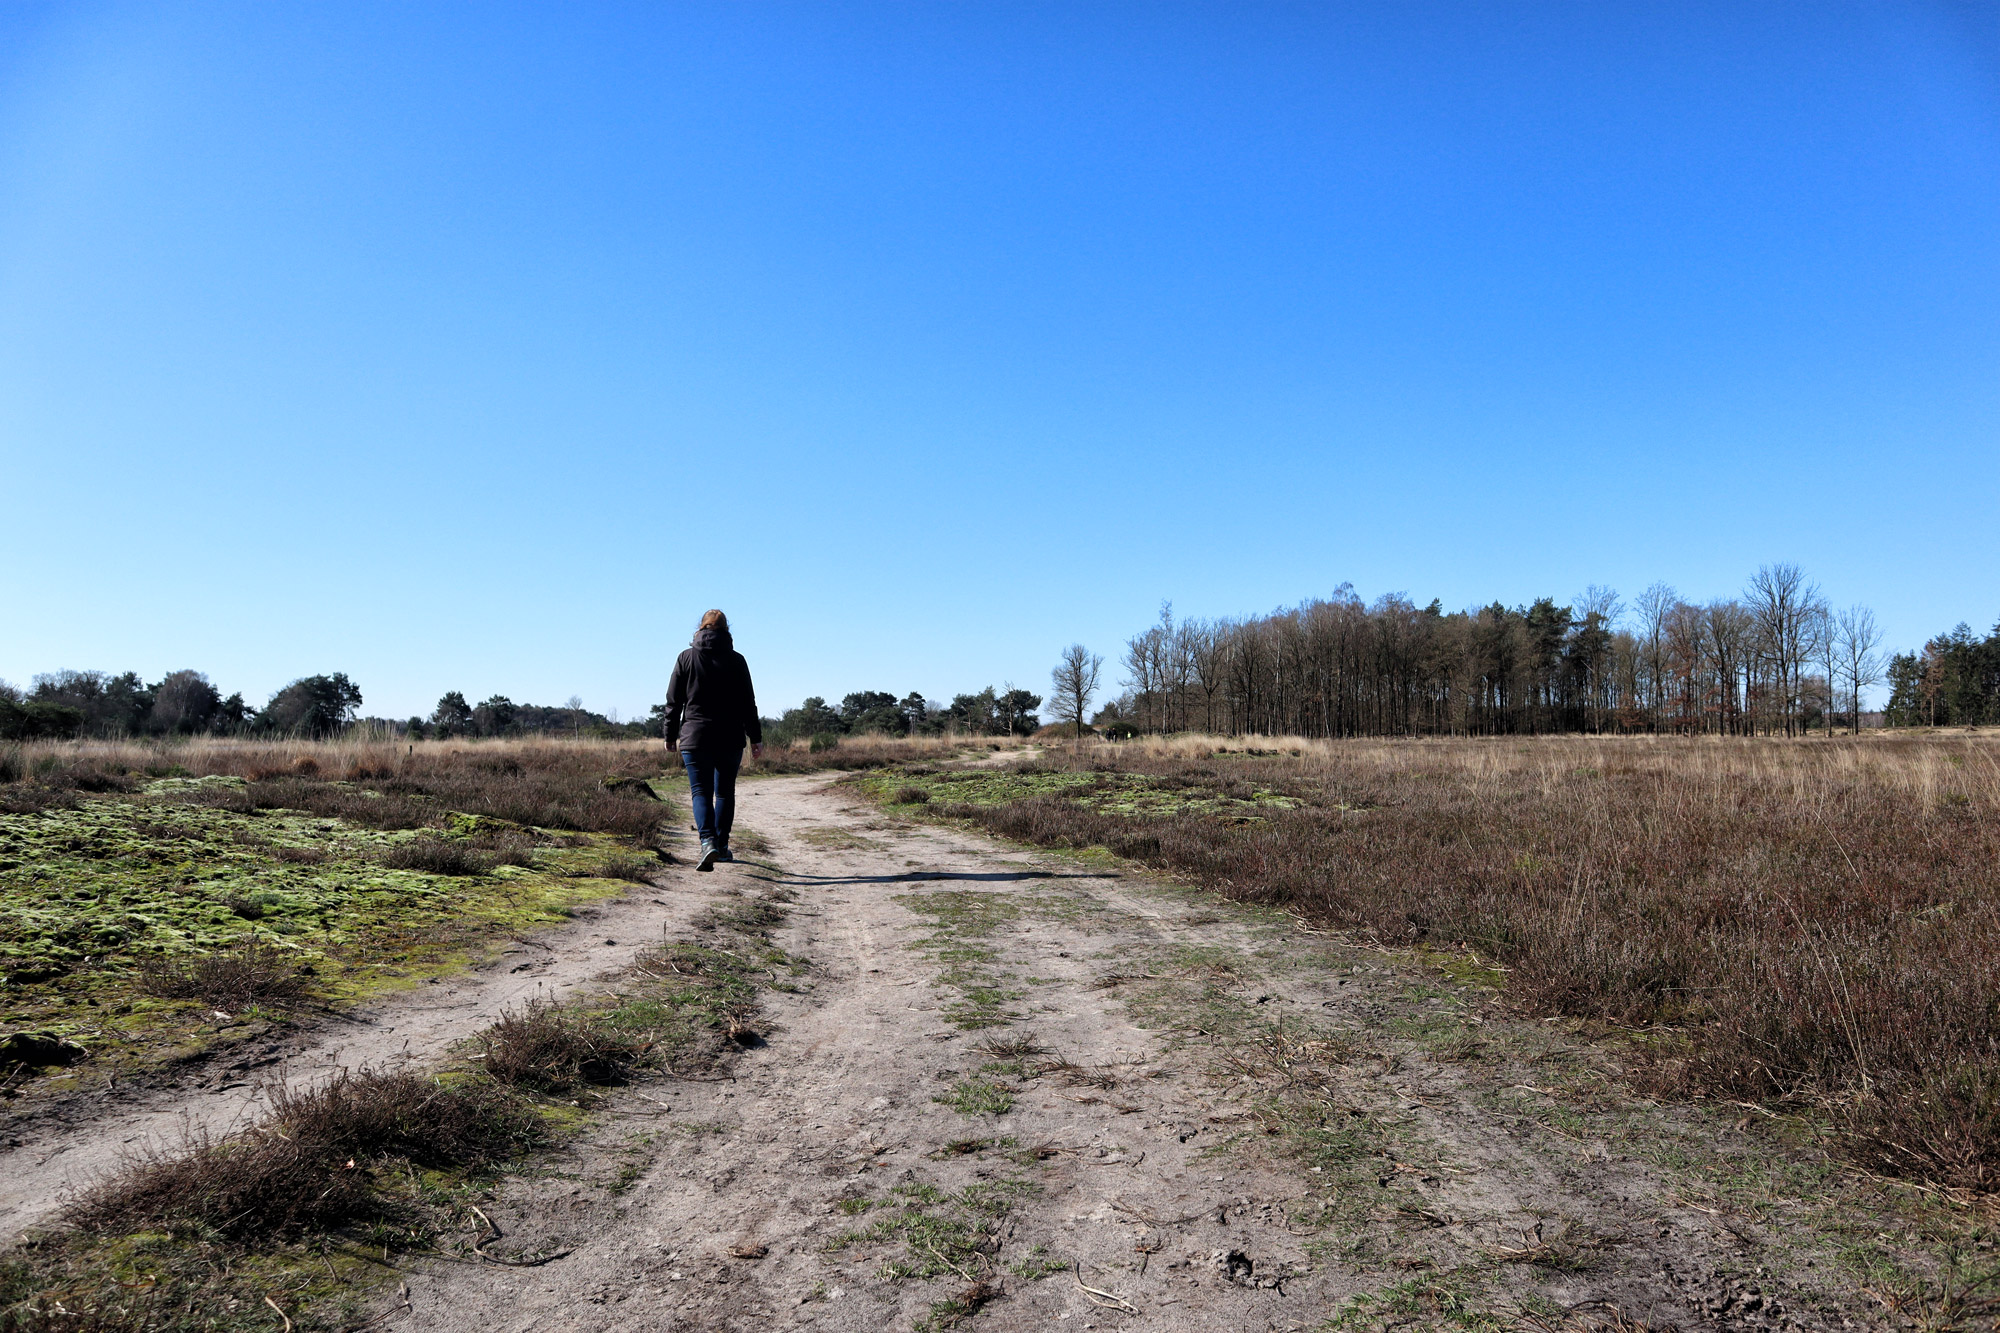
(978, 1096)
(833, 838)
(961, 920)
(183, 1283)
(1452, 1299)
(941, 1232)
(1038, 1263)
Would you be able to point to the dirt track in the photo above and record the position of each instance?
(1138, 1172)
(1230, 1124)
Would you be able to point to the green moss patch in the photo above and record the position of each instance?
(90, 895)
(1130, 794)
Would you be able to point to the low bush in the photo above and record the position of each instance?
(552, 1049)
(307, 1167)
(255, 973)
(638, 869)
(438, 856)
(407, 1115)
(32, 798)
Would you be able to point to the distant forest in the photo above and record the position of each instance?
(1779, 659)
(1003, 712)
(66, 704)
(1953, 681)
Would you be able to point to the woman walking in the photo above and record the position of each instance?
(711, 707)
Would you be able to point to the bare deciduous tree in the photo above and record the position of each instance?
(1075, 680)
(1786, 606)
(1857, 638)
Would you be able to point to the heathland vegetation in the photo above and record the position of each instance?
(175, 904)
(1805, 929)
(1813, 928)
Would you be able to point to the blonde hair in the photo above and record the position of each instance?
(714, 620)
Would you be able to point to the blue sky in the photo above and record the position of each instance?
(482, 347)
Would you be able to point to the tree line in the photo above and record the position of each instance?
(1005, 711)
(62, 705)
(1954, 680)
(500, 716)
(1778, 659)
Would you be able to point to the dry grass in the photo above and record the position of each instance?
(256, 973)
(552, 1049)
(1814, 923)
(307, 1167)
(551, 784)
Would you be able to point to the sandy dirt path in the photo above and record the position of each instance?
(65, 1146)
(1146, 1183)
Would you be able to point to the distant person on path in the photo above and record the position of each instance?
(711, 707)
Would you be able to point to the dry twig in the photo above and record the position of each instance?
(1103, 1300)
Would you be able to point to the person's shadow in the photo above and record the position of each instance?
(778, 876)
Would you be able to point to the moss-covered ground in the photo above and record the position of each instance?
(91, 894)
(686, 1006)
(1109, 792)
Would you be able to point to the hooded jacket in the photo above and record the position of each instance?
(710, 702)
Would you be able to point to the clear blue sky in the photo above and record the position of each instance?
(481, 347)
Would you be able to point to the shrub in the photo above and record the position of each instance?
(256, 972)
(24, 798)
(305, 1168)
(552, 1049)
(403, 1114)
(823, 741)
(437, 856)
(911, 796)
(638, 869)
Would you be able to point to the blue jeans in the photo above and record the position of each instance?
(712, 784)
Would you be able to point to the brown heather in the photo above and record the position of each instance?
(551, 784)
(307, 1168)
(1813, 923)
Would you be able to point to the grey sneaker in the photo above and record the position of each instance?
(724, 854)
(707, 861)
